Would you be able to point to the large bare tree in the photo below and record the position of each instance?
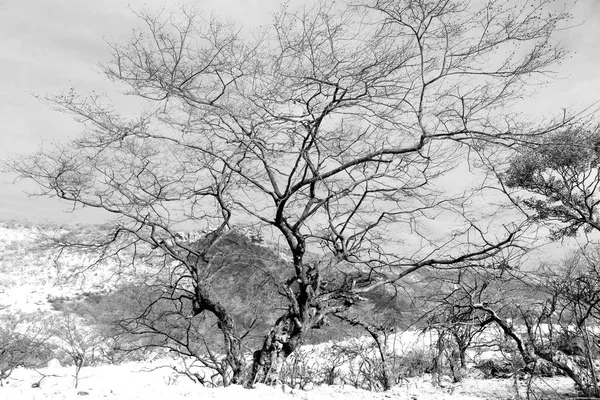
(335, 132)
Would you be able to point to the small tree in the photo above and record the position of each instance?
(157, 311)
(79, 343)
(23, 343)
(570, 314)
(561, 308)
(447, 300)
(380, 319)
(557, 182)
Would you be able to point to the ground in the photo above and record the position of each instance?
(137, 381)
(30, 283)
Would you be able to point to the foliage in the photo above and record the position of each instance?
(562, 173)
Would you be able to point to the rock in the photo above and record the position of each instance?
(287, 389)
(82, 393)
(495, 369)
(475, 373)
(54, 363)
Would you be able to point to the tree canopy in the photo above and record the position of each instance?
(334, 132)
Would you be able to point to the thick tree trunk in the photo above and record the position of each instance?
(590, 361)
(286, 335)
(234, 356)
(281, 341)
(308, 308)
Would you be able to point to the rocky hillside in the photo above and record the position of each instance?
(33, 277)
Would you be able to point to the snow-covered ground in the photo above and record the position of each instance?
(133, 381)
(29, 280)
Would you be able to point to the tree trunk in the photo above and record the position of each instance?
(234, 356)
(281, 341)
(78, 367)
(381, 347)
(438, 361)
(530, 353)
(462, 353)
(590, 361)
(286, 335)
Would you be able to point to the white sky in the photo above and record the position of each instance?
(48, 46)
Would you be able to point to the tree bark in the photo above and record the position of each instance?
(234, 355)
(281, 341)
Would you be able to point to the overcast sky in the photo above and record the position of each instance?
(47, 46)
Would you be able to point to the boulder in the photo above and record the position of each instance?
(54, 363)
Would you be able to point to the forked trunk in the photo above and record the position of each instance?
(281, 341)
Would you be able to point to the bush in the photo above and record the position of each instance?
(495, 369)
(79, 343)
(23, 343)
(352, 362)
(573, 344)
(415, 363)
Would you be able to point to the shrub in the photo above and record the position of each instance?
(415, 363)
(495, 368)
(23, 343)
(79, 343)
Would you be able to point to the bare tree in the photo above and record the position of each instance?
(449, 313)
(380, 316)
(156, 313)
(547, 315)
(335, 132)
(78, 342)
